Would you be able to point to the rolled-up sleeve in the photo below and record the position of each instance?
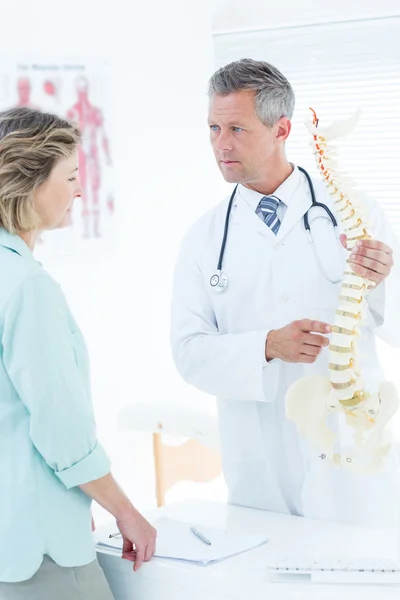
(41, 361)
(93, 466)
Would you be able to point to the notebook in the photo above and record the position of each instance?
(176, 541)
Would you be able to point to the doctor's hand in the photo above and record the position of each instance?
(139, 538)
(299, 341)
(371, 259)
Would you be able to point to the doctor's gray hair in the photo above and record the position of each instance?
(274, 96)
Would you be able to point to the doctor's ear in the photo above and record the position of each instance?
(283, 128)
(343, 240)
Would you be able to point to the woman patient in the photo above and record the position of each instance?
(51, 463)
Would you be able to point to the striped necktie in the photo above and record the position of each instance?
(266, 210)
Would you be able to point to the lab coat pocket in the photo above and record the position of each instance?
(325, 314)
(316, 299)
(318, 281)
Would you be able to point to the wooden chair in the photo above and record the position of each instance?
(196, 459)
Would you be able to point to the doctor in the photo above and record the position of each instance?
(246, 329)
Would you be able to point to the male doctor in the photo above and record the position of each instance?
(246, 343)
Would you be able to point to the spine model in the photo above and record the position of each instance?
(360, 437)
(344, 371)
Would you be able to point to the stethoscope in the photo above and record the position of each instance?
(219, 281)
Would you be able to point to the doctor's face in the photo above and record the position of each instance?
(244, 147)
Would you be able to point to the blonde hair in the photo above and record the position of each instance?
(31, 143)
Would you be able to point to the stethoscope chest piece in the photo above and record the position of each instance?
(219, 281)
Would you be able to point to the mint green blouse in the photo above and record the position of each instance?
(48, 441)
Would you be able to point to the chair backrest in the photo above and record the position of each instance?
(190, 461)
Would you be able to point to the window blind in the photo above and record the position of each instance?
(336, 68)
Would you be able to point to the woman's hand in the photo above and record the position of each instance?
(138, 535)
(139, 538)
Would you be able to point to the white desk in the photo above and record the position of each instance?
(245, 577)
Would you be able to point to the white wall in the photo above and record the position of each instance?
(237, 15)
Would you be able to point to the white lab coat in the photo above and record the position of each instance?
(218, 344)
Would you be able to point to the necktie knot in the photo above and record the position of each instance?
(269, 204)
(266, 210)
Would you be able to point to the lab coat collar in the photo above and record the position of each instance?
(284, 192)
(301, 202)
(296, 196)
(244, 215)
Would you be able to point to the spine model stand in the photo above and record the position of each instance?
(345, 423)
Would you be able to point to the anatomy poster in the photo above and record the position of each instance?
(78, 91)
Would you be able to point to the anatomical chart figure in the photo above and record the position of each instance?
(94, 142)
(24, 91)
(77, 90)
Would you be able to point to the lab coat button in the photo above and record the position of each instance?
(285, 298)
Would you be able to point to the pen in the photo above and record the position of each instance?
(200, 536)
(115, 535)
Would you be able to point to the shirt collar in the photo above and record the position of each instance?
(14, 242)
(284, 192)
